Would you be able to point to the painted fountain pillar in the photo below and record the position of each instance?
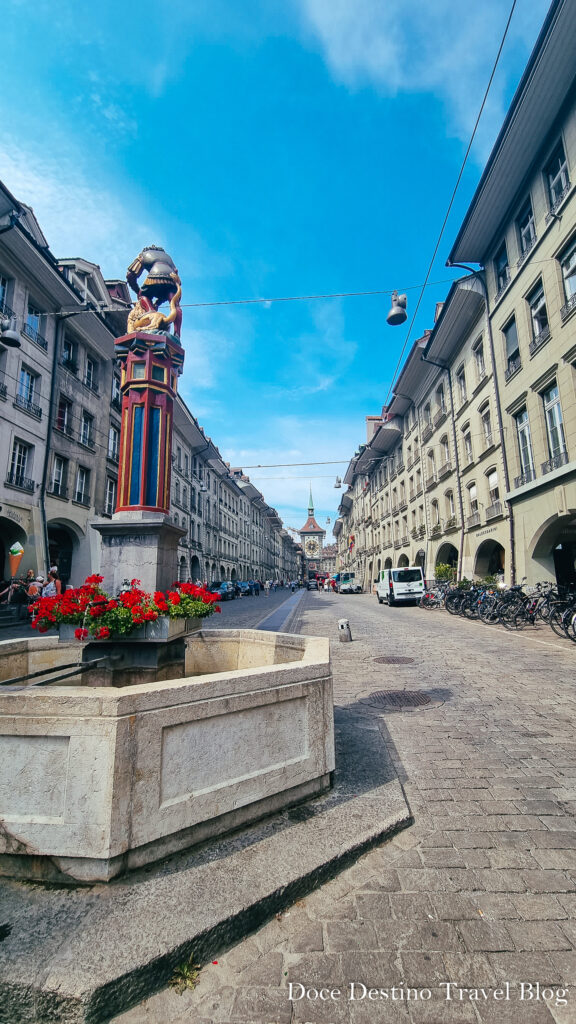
(140, 541)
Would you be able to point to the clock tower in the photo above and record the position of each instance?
(312, 538)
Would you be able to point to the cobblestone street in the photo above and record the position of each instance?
(480, 892)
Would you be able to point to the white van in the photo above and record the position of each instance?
(400, 585)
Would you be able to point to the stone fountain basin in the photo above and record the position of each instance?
(100, 780)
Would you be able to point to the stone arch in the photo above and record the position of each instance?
(64, 537)
(490, 558)
(403, 561)
(222, 573)
(213, 571)
(420, 558)
(195, 568)
(10, 533)
(388, 563)
(553, 547)
(233, 575)
(182, 573)
(447, 554)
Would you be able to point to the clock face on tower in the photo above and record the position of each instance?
(311, 547)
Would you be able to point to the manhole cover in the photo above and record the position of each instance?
(394, 659)
(396, 699)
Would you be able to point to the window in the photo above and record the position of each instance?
(177, 492)
(27, 391)
(568, 264)
(502, 268)
(114, 444)
(59, 476)
(20, 466)
(116, 392)
(86, 430)
(450, 506)
(138, 371)
(186, 465)
(461, 382)
(82, 489)
(445, 450)
(185, 497)
(554, 422)
(111, 489)
(64, 416)
(441, 398)
(427, 413)
(510, 333)
(525, 227)
(492, 478)
(91, 376)
(538, 312)
(435, 513)
(486, 425)
(524, 448)
(473, 499)
(70, 355)
(478, 353)
(179, 458)
(158, 372)
(556, 173)
(3, 291)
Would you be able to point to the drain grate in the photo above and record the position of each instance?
(394, 659)
(396, 699)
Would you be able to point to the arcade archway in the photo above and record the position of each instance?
(63, 541)
(554, 548)
(490, 558)
(447, 554)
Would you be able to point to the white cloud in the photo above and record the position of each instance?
(319, 358)
(444, 47)
(79, 217)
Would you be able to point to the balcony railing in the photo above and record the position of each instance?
(525, 478)
(23, 482)
(403, 503)
(450, 524)
(405, 540)
(513, 366)
(436, 530)
(58, 491)
(70, 364)
(427, 432)
(539, 340)
(431, 481)
(568, 307)
(439, 417)
(494, 510)
(394, 509)
(3, 390)
(503, 282)
(34, 335)
(527, 248)
(6, 310)
(28, 406)
(444, 470)
(400, 467)
(555, 462)
(397, 543)
(558, 202)
(473, 520)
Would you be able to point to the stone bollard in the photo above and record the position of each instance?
(344, 634)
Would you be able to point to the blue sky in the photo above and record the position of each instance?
(275, 148)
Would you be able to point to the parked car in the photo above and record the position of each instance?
(245, 588)
(223, 589)
(312, 585)
(349, 587)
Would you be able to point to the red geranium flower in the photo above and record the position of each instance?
(81, 634)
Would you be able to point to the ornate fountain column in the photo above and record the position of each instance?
(140, 541)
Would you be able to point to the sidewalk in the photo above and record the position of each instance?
(480, 892)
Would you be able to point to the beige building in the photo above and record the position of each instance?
(473, 463)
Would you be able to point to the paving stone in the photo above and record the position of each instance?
(384, 881)
(373, 905)
(305, 936)
(539, 935)
(443, 858)
(565, 966)
(436, 880)
(533, 908)
(525, 966)
(476, 858)
(344, 935)
(423, 969)
(411, 906)
(267, 970)
(547, 881)
(484, 936)
(434, 936)
(555, 858)
(513, 1012)
(264, 1004)
(438, 1010)
(469, 969)
(455, 907)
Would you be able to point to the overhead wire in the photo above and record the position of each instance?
(453, 197)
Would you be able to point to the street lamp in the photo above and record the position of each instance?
(397, 314)
(9, 335)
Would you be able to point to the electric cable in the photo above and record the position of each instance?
(453, 196)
